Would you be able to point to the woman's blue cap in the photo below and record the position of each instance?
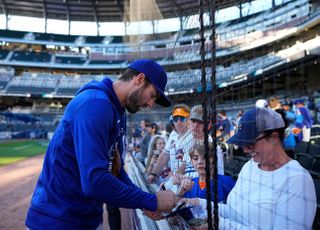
(253, 122)
(156, 75)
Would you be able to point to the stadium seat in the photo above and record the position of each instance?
(313, 150)
(233, 167)
(305, 160)
(301, 147)
(315, 130)
(315, 140)
(315, 171)
(230, 166)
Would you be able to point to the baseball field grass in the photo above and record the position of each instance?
(15, 150)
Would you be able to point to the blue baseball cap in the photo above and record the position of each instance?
(156, 75)
(298, 101)
(253, 122)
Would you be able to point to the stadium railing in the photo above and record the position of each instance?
(136, 173)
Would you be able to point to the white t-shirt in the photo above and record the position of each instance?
(281, 199)
(177, 144)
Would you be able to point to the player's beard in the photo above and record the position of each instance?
(133, 100)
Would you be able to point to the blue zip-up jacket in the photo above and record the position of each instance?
(75, 181)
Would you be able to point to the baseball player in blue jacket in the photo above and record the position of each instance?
(82, 168)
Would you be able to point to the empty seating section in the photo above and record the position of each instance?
(250, 67)
(255, 66)
(36, 83)
(69, 85)
(5, 76)
(70, 60)
(236, 72)
(106, 62)
(36, 121)
(185, 48)
(94, 39)
(254, 27)
(117, 39)
(31, 56)
(4, 54)
(241, 31)
(191, 78)
(12, 34)
(224, 74)
(4, 79)
(55, 37)
(269, 22)
(90, 77)
(42, 83)
(183, 80)
(229, 34)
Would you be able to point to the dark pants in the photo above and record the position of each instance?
(114, 217)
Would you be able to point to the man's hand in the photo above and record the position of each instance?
(186, 185)
(167, 200)
(153, 215)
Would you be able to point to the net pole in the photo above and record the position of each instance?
(202, 7)
(212, 23)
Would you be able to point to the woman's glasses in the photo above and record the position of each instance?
(251, 146)
(264, 136)
(179, 118)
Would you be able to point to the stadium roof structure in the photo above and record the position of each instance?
(105, 10)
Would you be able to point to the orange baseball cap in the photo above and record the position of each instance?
(180, 112)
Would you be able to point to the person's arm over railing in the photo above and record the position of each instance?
(161, 162)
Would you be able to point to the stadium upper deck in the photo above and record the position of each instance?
(260, 30)
(249, 47)
(275, 22)
(101, 11)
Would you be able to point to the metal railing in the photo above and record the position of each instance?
(136, 172)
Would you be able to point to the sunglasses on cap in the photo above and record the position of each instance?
(179, 118)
